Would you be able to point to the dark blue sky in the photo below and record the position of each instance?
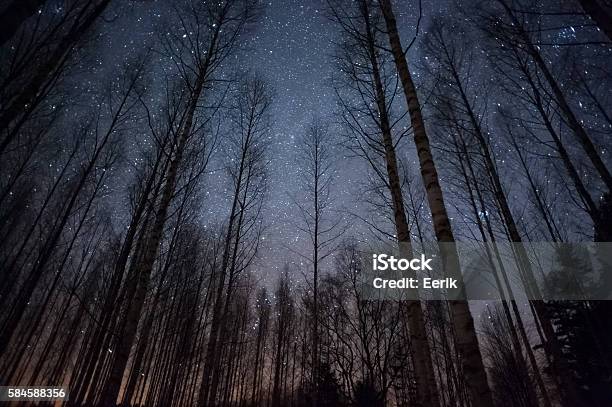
(291, 47)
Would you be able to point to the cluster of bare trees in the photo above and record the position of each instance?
(119, 286)
(496, 109)
(115, 287)
(543, 123)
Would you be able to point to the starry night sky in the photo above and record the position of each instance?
(292, 48)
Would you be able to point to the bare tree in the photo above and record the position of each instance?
(316, 212)
(284, 313)
(369, 77)
(215, 29)
(510, 378)
(465, 332)
(248, 160)
(26, 93)
(458, 114)
(103, 139)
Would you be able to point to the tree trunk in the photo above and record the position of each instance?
(424, 378)
(571, 119)
(28, 98)
(143, 272)
(517, 315)
(467, 341)
(210, 379)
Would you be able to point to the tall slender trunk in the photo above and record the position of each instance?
(146, 329)
(500, 263)
(143, 272)
(424, 377)
(29, 96)
(276, 396)
(212, 355)
(560, 99)
(592, 209)
(467, 341)
(315, 285)
(231, 281)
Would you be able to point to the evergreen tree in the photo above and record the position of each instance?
(576, 328)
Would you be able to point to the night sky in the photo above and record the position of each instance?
(292, 47)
